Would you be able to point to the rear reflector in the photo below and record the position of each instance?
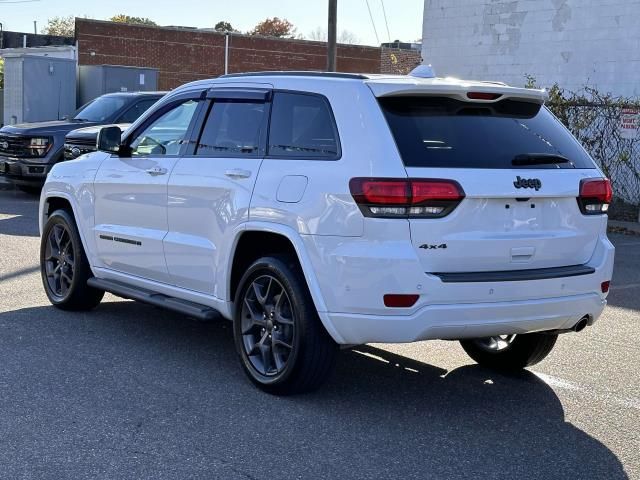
(400, 301)
(405, 198)
(604, 286)
(595, 196)
(483, 96)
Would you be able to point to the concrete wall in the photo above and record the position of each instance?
(182, 55)
(572, 42)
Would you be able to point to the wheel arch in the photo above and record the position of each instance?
(274, 235)
(55, 200)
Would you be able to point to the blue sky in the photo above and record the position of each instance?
(404, 16)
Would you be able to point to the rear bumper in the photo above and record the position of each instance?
(354, 275)
(452, 322)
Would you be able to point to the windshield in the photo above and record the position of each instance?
(100, 109)
(444, 132)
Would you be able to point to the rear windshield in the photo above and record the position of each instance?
(444, 132)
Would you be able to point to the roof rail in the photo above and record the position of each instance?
(352, 76)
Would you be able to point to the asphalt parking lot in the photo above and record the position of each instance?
(130, 391)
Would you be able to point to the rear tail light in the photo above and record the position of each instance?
(406, 198)
(604, 286)
(394, 300)
(595, 196)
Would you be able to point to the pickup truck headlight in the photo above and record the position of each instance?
(39, 146)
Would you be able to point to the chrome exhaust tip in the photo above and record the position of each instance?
(581, 324)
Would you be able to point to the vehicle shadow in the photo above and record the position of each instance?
(154, 393)
(21, 210)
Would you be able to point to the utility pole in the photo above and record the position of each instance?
(35, 27)
(332, 36)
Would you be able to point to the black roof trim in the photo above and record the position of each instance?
(136, 94)
(351, 76)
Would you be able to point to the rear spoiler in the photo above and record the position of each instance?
(477, 92)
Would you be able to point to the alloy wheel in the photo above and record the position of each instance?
(59, 261)
(497, 343)
(268, 325)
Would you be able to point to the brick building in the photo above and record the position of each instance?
(183, 54)
(571, 42)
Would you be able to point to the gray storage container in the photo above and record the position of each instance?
(38, 88)
(96, 80)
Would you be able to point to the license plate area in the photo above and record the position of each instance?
(522, 214)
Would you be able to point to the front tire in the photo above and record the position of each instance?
(64, 266)
(510, 352)
(283, 347)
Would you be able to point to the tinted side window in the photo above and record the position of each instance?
(233, 128)
(135, 111)
(302, 126)
(166, 134)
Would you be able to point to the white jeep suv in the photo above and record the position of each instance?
(323, 210)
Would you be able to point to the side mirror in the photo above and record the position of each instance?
(110, 140)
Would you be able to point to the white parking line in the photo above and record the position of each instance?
(603, 396)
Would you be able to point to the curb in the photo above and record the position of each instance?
(626, 228)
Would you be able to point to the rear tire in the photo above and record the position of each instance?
(510, 352)
(284, 349)
(64, 266)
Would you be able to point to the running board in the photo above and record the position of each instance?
(191, 309)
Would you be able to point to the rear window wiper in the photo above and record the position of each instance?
(539, 159)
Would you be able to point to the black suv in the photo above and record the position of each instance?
(28, 151)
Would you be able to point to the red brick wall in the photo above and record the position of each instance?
(393, 60)
(182, 55)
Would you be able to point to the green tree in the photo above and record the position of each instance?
(223, 27)
(62, 26)
(121, 18)
(274, 27)
(1, 73)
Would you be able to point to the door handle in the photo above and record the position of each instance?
(156, 171)
(238, 173)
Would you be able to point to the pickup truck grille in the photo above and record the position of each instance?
(14, 146)
(73, 148)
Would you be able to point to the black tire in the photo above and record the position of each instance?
(522, 351)
(311, 356)
(67, 289)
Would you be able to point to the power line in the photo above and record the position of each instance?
(384, 11)
(18, 1)
(373, 23)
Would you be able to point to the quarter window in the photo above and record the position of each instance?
(233, 128)
(166, 134)
(302, 126)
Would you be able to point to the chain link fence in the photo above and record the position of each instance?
(609, 128)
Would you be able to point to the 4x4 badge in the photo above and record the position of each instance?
(527, 183)
(426, 246)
